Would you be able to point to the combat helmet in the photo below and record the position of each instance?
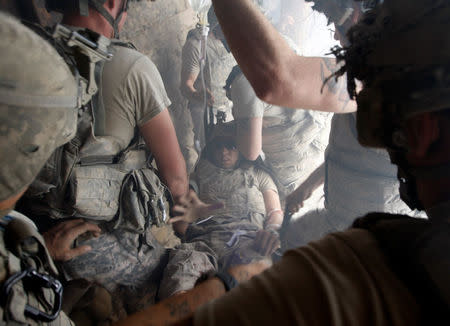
(400, 52)
(82, 7)
(38, 100)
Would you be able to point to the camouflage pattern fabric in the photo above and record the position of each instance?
(218, 66)
(37, 108)
(15, 256)
(187, 263)
(239, 190)
(119, 258)
(293, 142)
(231, 239)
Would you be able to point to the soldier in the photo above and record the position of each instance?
(244, 229)
(387, 269)
(358, 180)
(38, 113)
(109, 180)
(38, 107)
(292, 141)
(218, 65)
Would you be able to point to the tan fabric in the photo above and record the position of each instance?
(342, 279)
(133, 93)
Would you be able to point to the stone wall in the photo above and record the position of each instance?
(158, 29)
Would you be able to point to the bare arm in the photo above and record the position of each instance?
(295, 200)
(277, 74)
(187, 87)
(161, 139)
(249, 137)
(184, 304)
(273, 209)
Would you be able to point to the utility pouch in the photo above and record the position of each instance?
(30, 292)
(144, 201)
(94, 191)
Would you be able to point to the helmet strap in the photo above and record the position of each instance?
(114, 22)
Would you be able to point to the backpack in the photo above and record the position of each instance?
(90, 177)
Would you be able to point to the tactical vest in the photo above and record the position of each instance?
(31, 294)
(90, 177)
(237, 188)
(418, 251)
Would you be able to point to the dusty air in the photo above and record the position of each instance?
(235, 162)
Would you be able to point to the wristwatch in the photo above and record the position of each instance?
(227, 279)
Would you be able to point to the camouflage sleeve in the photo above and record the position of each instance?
(265, 181)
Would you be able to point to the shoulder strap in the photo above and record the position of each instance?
(418, 251)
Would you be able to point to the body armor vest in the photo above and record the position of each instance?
(91, 177)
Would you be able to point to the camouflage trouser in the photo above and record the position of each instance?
(187, 262)
(131, 267)
(127, 264)
(232, 244)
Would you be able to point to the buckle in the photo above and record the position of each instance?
(37, 280)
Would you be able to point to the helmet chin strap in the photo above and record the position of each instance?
(114, 22)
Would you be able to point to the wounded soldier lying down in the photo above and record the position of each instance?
(242, 210)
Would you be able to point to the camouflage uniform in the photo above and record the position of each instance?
(38, 100)
(293, 141)
(227, 238)
(126, 259)
(387, 269)
(231, 231)
(219, 63)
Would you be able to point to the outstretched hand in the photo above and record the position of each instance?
(190, 208)
(60, 238)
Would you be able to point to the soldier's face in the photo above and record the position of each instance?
(226, 156)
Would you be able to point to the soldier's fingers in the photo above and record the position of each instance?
(179, 209)
(265, 241)
(176, 219)
(75, 252)
(274, 243)
(258, 237)
(215, 206)
(66, 225)
(81, 228)
(184, 200)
